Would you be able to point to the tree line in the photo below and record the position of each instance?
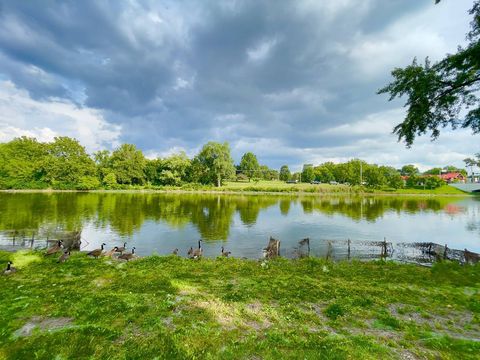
(26, 163)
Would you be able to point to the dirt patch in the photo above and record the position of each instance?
(44, 324)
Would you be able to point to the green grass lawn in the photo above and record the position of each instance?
(175, 308)
(281, 186)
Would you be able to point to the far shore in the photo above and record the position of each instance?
(427, 193)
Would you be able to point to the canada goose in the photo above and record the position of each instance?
(225, 253)
(197, 253)
(175, 252)
(128, 256)
(121, 249)
(10, 269)
(97, 252)
(55, 248)
(190, 252)
(111, 252)
(64, 256)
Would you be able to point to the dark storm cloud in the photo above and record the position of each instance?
(178, 74)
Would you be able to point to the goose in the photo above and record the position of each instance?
(175, 252)
(10, 269)
(64, 256)
(111, 252)
(225, 253)
(128, 256)
(197, 253)
(97, 252)
(121, 249)
(190, 252)
(55, 248)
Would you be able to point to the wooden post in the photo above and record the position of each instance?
(348, 250)
(445, 252)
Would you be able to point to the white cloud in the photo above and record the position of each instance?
(22, 115)
(261, 51)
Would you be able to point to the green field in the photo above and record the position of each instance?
(281, 186)
(175, 308)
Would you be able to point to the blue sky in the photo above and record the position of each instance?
(293, 81)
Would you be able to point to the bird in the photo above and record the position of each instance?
(10, 269)
(97, 252)
(175, 252)
(128, 256)
(121, 249)
(225, 253)
(55, 248)
(190, 252)
(197, 253)
(64, 256)
(111, 252)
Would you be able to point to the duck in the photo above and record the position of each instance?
(128, 256)
(225, 253)
(55, 248)
(10, 269)
(121, 249)
(111, 252)
(97, 252)
(197, 253)
(175, 252)
(64, 256)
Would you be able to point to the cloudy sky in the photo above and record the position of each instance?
(293, 81)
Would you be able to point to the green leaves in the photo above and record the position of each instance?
(437, 94)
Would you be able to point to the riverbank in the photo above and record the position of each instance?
(271, 188)
(175, 308)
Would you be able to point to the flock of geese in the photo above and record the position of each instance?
(118, 252)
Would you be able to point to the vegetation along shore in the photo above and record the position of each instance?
(225, 308)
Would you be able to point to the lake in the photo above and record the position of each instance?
(158, 222)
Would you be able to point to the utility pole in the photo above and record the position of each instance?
(361, 173)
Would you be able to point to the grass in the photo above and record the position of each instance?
(175, 308)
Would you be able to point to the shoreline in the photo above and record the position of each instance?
(227, 308)
(237, 192)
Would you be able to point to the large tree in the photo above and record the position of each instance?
(67, 163)
(249, 165)
(438, 93)
(128, 165)
(213, 164)
(285, 173)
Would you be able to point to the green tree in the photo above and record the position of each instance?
(437, 94)
(128, 164)
(409, 170)
(308, 173)
(249, 165)
(103, 162)
(67, 162)
(21, 163)
(174, 169)
(392, 176)
(433, 171)
(285, 173)
(325, 172)
(374, 176)
(110, 181)
(213, 164)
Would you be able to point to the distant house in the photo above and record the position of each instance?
(453, 177)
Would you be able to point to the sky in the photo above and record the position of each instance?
(292, 81)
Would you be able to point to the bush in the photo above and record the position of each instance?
(110, 181)
(88, 183)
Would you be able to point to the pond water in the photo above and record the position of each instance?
(158, 223)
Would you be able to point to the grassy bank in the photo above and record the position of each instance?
(175, 308)
(266, 187)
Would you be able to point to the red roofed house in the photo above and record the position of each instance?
(453, 177)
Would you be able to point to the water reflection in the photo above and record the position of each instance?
(213, 216)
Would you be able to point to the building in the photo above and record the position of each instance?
(452, 177)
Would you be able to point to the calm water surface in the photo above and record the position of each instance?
(158, 223)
